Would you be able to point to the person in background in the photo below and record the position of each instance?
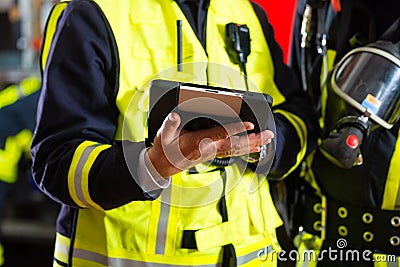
(348, 204)
(18, 104)
(125, 204)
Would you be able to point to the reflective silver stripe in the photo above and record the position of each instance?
(260, 202)
(306, 260)
(61, 251)
(116, 262)
(163, 221)
(20, 91)
(91, 256)
(78, 173)
(393, 264)
(252, 255)
(104, 260)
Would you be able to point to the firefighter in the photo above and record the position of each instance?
(349, 201)
(17, 119)
(126, 205)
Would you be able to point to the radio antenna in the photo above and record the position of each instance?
(179, 41)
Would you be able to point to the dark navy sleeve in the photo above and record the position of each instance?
(77, 104)
(297, 102)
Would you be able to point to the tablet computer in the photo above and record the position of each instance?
(203, 106)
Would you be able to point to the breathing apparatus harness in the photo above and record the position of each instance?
(342, 145)
(362, 93)
(356, 83)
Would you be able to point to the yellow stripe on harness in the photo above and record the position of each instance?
(391, 197)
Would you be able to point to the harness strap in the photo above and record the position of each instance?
(362, 227)
(229, 257)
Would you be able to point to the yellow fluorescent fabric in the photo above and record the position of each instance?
(61, 250)
(382, 260)
(14, 92)
(9, 96)
(14, 148)
(29, 85)
(255, 257)
(18, 145)
(218, 236)
(85, 174)
(1, 255)
(331, 54)
(78, 175)
(50, 30)
(301, 130)
(391, 197)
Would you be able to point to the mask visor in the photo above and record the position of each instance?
(368, 79)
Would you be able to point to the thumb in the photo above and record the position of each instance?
(169, 127)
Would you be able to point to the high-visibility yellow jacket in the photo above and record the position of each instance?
(17, 119)
(79, 159)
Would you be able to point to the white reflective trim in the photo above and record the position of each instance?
(393, 263)
(91, 256)
(61, 252)
(306, 260)
(61, 248)
(163, 221)
(241, 260)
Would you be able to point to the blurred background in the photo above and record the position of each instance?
(27, 216)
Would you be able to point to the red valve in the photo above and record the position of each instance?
(352, 141)
(337, 7)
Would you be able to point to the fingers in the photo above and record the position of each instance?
(266, 137)
(175, 149)
(224, 132)
(237, 146)
(242, 145)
